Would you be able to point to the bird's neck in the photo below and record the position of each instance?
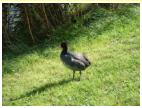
(64, 51)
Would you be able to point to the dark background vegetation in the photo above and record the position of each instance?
(108, 34)
(26, 25)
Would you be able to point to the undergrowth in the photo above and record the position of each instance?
(109, 38)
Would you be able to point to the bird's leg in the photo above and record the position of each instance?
(73, 74)
(80, 74)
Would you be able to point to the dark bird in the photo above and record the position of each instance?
(74, 61)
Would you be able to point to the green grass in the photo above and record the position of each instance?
(111, 42)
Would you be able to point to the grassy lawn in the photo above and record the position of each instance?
(110, 39)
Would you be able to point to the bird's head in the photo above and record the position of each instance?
(64, 45)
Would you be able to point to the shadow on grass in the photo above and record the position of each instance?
(42, 88)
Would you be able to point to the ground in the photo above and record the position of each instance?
(111, 41)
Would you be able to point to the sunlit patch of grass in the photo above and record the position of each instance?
(39, 77)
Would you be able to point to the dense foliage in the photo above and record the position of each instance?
(29, 24)
(109, 37)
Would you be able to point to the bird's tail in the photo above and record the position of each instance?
(88, 62)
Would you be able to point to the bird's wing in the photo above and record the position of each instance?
(77, 62)
(82, 58)
(72, 62)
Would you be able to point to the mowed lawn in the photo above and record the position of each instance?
(111, 40)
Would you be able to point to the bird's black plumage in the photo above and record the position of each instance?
(74, 61)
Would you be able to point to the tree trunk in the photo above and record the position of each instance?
(46, 18)
(29, 26)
